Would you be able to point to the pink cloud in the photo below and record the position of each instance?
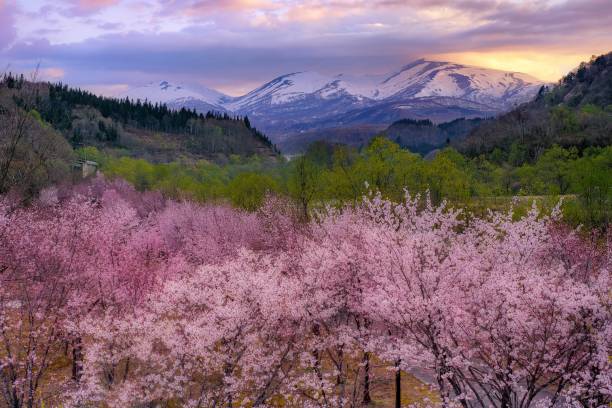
(204, 7)
(85, 7)
(234, 44)
(52, 73)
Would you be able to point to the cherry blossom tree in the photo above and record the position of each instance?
(488, 306)
(151, 301)
(40, 268)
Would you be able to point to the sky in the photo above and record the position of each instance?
(235, 45)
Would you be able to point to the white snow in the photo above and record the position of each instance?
(164, 92)
(419, 79)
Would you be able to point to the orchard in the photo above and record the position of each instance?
(114, 298)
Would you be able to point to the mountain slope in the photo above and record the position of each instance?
(577, 112)
(590, 83)
(138, 129)
(308, 101)
(178, 96)
(424, 89)
(317, 104)
(423, 136)
(423, 79)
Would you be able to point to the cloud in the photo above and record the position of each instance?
(51, 74)
(108, 90)
(137, 57)
(7, 23)
(232, 43)
(87, 7)
(203, 7)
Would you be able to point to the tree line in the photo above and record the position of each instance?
(340, 174)
(56, 102)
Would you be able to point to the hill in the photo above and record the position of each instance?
(423, 136)
(357, 135)
(41, 124)
(147, 130)
(590, 83)
(140, 129)
(32, 153)
(576, 112)
(418, 136)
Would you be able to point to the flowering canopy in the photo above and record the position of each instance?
(210, 306)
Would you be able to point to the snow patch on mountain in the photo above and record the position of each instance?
(169, 93)
(309, 100)
(420, 79)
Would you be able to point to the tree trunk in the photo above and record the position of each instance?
(77, 359)
(366, 378)
(398, 385)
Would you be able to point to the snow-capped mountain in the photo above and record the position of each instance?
(177, 96)
(300, 101)
(420, 79)
(424, 79)
(422, 89)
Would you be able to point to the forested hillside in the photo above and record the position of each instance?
(423, 136)
(417, 135)
(42, 123)
(143, 129)
(577, 112)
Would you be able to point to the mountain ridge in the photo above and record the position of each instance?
(306, 100)
(574, 113)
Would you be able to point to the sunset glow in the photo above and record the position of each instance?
(547, 66)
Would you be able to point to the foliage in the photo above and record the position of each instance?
(85, 119)
(573, 113)
(155, 302)
(201, 181)
(32, 154)
(248, 190)
(337, 174)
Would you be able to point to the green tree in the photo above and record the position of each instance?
(591, 178)
(304, 183)
(447, 177)
(248, 190)
(553, 168)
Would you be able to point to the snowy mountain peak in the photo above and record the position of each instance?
(284, 89)
(436, 90)
(419, 79)
(169, 93)
(424, 78)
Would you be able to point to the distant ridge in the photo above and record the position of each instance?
(178, 96)
(301, 101)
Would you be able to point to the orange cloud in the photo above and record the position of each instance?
(52, 74)
(542, 64)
